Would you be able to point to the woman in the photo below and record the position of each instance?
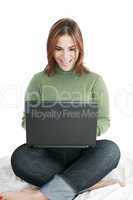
(64, 173)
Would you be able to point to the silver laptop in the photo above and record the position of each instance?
(61, 123)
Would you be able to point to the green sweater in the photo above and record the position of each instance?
(67, 85)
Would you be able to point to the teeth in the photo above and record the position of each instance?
(67, 63)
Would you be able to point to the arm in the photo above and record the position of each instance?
(100, 95)
(32, 94)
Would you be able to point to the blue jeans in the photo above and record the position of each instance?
(63, 173)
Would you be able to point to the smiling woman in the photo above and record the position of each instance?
(64, 173)
(66, 53)
(65, 47)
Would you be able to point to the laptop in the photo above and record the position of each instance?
(61, 123)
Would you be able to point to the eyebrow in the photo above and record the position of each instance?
(68, 47)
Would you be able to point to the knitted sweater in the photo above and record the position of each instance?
(67, 85)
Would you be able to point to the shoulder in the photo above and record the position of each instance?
(39, 76)
(94, 76)
(96, 80)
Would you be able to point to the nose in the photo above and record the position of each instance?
(66, 56)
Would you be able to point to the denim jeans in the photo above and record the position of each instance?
(63, 173)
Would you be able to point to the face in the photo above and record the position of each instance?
(66, 53)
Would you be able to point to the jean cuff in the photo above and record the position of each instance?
(58, 188)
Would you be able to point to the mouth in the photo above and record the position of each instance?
(66, 64)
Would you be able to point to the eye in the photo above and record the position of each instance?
(58, 49)
(72, 49)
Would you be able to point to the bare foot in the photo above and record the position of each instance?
(36, 195)
(29, 190)
(104, 183)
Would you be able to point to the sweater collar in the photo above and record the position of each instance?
(62, 72)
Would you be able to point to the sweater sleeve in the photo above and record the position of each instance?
(100, 95)
(32, 94)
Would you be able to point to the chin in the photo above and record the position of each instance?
(66, 68)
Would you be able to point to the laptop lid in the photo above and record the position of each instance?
(61, 123)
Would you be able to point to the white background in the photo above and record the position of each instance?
(107, 29)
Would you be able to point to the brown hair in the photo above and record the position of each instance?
(62, 27)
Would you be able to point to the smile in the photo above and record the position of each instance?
(64, 63)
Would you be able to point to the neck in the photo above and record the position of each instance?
(61, 71)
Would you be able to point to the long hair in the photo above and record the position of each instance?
(60, 28)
